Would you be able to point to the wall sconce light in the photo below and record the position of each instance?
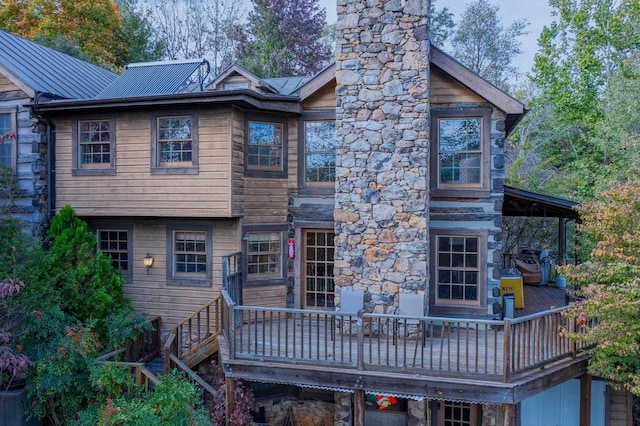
(148, 262)
(246, 236)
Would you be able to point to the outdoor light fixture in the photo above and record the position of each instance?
(148, 262)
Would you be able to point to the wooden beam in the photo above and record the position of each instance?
(562, 241)
(508, 415)
(358, 408)
(230, 385)
(585, 400)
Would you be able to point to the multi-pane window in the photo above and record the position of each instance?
(458, 269)
(264, 254)
(189, 253)
(114, 243)
(265, 145)
(94, 140)
(6, 148)
(320, 160)
(175, 142)
(318, 269)
(453, 413)
(460, 151)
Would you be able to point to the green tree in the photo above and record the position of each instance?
(441, 24)
(485, 45)
(610, 281)
(283, 38)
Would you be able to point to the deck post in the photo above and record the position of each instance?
(230, 385)
(572, 342)
(232, 330)
(360, 354)
(506, 354)
(508, 415)
(358, 407)
(585, 400)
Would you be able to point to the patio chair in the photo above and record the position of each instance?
(411, 305)
(351, 301)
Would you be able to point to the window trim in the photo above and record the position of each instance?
(172, 280)
(266, 173)
(304, 188)
(13, 120)
(264, 280)
(100, 170)
(183, 168)
(440, 307)
(451, 190)
(111, 226)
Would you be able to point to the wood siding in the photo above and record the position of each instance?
(265, 200)
(237, 163)
(150, 294)
(324, 99)
(133, 191)
(268, 296)
(446, 91)
(620, 408)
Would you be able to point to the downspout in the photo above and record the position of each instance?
(51, 154)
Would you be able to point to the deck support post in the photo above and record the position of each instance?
(508, 415)
(230, 385)
(585, 400)
(358, 407)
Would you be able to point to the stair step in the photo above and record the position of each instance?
(156, 366)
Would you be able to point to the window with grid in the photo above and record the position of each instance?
(320, 159)
(453, 413)
(264, 254)
(114, 243)
(6, 148)
(265, 145)
(318, 269)
(189, 253)
(175, 142)
(460, 151)
(458, 269)
(94, 139)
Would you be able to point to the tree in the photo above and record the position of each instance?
(283, 38)
(610, 281)
(188, 29)
(102, 31)
(485, 46)
(441, 24)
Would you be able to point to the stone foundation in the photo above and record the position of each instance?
(303, 413)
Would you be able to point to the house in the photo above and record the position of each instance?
(30, 73)
(188, 184)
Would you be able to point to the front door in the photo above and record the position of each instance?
(317, 269)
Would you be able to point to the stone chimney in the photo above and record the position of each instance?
(382, 127)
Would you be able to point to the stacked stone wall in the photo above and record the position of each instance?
(381, 211)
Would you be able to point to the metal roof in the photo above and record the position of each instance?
(285, 85)
(519, 202)
(48, 71)
(153, 78)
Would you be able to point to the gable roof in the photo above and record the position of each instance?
(513, 108)
(38, 69)
(155, 78)
(232, 70)
(286, 86)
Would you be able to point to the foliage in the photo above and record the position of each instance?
(84, 280)
(610, 282)
(485, 46)
(244, 402)
(187, 29)
(283, 38)
(140, 43)
(13, 363)
(174, 401)
(106, 32)
(441, 25)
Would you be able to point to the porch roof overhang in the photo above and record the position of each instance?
(519, 202)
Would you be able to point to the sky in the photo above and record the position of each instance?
(536, 12)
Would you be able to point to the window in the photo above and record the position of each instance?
(319, 153)
(189, 255)
(460, 158)
(264, 254)
(174, 148)
(115, 243)
(318, 268)
(8, 147)
(454, 413)
(265, 147)
(95, 144)
(458, 269)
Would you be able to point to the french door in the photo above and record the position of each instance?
(317, 269)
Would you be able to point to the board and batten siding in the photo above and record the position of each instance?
(150, 294)
(133, 191)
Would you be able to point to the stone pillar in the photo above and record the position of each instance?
(342, 414)
(381, 211)
(417, 412)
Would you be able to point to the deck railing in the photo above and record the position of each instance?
(143, 378)
(195, 332)
(493, 350)
(147, 346)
